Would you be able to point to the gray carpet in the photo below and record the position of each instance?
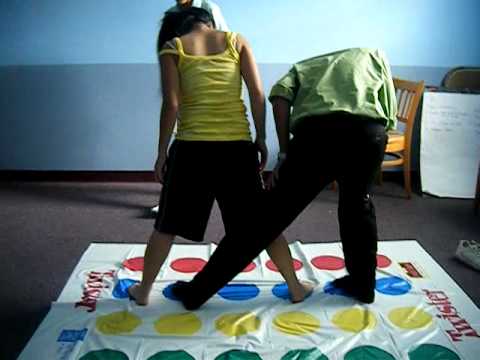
(45, 228)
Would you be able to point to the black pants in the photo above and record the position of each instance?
(199, 172)
(342, 147)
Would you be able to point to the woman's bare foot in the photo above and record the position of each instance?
(139, 294)
(301, 292)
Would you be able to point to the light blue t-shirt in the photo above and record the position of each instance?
(212, 8)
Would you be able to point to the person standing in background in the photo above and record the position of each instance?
(210, 6)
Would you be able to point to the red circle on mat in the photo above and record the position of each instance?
(134, 264)
(383, 261)
(249, 267)
(328, 262)
(297, 265)
(188, 265)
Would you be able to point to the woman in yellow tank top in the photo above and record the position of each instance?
(212, 156)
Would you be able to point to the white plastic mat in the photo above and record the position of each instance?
(419, 311)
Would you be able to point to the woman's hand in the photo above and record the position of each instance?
(160, 168)
(272, 179)
(262, 149)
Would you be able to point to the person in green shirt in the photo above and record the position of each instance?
(337, 107)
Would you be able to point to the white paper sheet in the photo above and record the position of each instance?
(450, 144)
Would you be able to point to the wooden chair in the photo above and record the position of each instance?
(462, 78)
(398, 150)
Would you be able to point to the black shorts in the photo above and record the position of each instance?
(199, 172)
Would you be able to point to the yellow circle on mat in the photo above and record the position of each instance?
(178, 324)
(355, 320)
(410, 318)
(238, 324)
(296, 323)
(117, 323)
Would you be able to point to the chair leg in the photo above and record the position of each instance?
(333, 186)
(379, 176)
(476, 203)
(407, 179)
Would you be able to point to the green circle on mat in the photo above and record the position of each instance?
(432, 351)
(172, 355)
(105, 354)
(238, 355)
(368, 353)
(307, 354)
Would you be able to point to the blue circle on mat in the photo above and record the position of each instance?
(393, 285)
(120, 290)
(167, 292)
(239, 292)
(329, 288)
(281, 291)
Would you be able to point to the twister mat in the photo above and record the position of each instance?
(419, 312)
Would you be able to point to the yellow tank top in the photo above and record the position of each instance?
(211, 107)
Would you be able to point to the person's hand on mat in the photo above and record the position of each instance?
(160, 168)
(262, 149)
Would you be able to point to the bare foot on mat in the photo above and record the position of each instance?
(137, 293)
(302, 292)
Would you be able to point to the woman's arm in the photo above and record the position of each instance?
(168, 115)
(251, 76)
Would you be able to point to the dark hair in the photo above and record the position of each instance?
(180, 23)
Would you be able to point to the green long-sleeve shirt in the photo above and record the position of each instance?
(356, 81)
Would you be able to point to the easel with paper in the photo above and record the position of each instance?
(450, 144)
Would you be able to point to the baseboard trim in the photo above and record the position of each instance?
(80, 176)
(122, 176)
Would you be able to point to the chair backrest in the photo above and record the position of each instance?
(408, 95)
(462, 78)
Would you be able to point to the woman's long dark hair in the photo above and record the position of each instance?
(181, 23)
